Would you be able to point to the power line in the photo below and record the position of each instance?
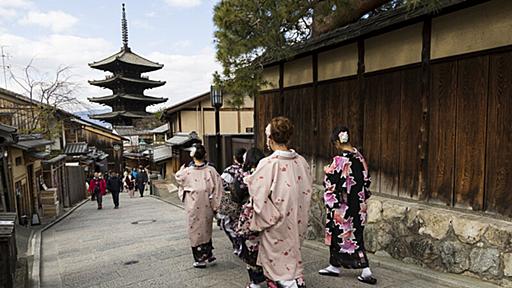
(3, 55)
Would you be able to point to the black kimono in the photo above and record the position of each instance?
(346, 186)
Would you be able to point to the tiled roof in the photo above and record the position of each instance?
(182, 138)
(162, 129)
(127, 114)
(28, 142)
(125, 96)
(7, 134)
(128, 57)
(76, 148)
(141, 81)
(161, 153)
(131, 131)
(365, 26)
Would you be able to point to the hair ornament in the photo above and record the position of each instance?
(343, 136)
(193, 150)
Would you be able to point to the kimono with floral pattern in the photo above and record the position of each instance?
(280, 191)
(200, 188)
(346, 186)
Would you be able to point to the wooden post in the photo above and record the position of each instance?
(360, 90)
(281, 89)
(314, 107)
(425, 104)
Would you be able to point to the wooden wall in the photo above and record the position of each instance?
(469, 136)
(431, 109)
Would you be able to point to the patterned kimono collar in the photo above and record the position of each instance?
(202, 165)
(285, 154)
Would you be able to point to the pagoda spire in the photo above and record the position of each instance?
(124, 29)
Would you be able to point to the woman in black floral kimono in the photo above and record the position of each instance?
(346, 186)
(249, 240)
(229, 206)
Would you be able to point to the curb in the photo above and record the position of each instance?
(34, 275)
(434, 277)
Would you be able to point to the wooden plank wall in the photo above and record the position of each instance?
(499, 135)
(469, 133)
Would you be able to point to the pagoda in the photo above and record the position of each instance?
(127, 83)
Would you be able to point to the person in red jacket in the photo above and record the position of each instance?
(98, 188)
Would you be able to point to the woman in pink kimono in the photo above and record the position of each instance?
(200, 188)
(280, 190)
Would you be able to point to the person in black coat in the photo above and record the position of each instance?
(142, 180)
(115, 185)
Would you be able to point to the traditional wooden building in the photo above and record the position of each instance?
(197, 114)
(127, 83)
(26, 170)
(428, 99)
(8, 136)
(78, 130)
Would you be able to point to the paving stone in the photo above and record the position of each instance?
(91, 248)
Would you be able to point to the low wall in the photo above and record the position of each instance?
(441, 239)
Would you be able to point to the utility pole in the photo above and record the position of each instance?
(3, 55)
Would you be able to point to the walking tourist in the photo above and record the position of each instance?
(129, 183)
(114, 185)
(346, 186)
(200, 188)
(229, 210)
(280, 189)
(97, 187)
(141, 180)
(249, 240)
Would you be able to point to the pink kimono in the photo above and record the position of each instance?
(280, 191)
(200, 188)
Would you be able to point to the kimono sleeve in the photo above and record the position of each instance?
(334, 184)
(217, 191)
(180, 180)
(260, 185)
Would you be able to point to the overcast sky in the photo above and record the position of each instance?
(176, 33)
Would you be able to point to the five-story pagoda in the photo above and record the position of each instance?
(127, 83)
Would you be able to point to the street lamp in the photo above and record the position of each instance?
(142, 145)
(142, 148)
(216, 99)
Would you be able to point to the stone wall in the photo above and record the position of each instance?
(429, 236)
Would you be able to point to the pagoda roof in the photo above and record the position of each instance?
(110, 82)
(126, 56)
(121, 114)
(127, 96)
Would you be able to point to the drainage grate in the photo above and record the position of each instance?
(131, 262)
(144, 221)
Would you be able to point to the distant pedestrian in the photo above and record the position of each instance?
(134, 173)
(129, 183)
(280, 190)
(229, 210)
(98, 188)
(114, 185)
(346, 185)
(141, 179)
(200, 188)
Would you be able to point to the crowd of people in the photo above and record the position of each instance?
(262, 204)
(131, 181)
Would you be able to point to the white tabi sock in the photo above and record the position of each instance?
(333, 269)
(288, 283)
(366, 272)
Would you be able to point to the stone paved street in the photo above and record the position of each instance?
(103, 248)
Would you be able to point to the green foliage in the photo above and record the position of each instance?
(251, 33)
